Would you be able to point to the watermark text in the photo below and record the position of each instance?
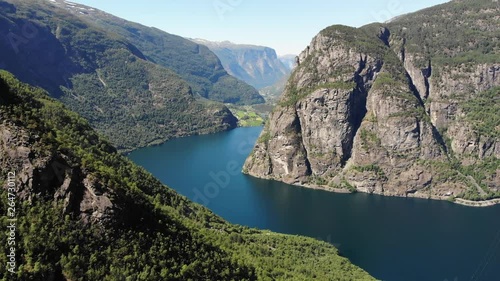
(11, 221)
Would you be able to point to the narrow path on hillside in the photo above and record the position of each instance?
(479, 188)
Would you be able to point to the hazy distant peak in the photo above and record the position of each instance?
(258, 66)
(226, 44)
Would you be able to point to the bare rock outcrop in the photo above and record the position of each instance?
(53, 176)
(364, 112)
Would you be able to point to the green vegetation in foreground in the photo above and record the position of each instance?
(153, 233)
(247, 116)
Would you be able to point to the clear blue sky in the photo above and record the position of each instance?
(287, 26)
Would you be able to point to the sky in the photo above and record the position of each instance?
(285, 25)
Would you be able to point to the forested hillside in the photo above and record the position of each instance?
(129, 96)
(195, 63)
(85, 212)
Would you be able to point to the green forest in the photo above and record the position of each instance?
(152, 234)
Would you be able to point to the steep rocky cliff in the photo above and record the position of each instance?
(408, 108)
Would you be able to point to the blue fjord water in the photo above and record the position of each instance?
(394, 239)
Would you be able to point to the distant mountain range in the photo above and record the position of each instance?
(272, 93)
(258, 66)
(137, 85)
(289, 61)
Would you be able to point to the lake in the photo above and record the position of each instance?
(394, 239)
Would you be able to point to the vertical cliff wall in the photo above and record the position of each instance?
(396, 109)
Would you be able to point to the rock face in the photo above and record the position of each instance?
(256, 65)
(377, 110)
(53, 176)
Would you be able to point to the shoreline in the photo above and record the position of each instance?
(478, 204)
(459, 201)
(330, 189)
(163, 140)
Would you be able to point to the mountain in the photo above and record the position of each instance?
(288, 60)
(272, 93)
(256, 65)
(105, 77)
(195, 63)
(78, 210)
(406, 108)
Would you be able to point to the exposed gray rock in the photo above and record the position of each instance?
(52, 176)
(373, 118)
